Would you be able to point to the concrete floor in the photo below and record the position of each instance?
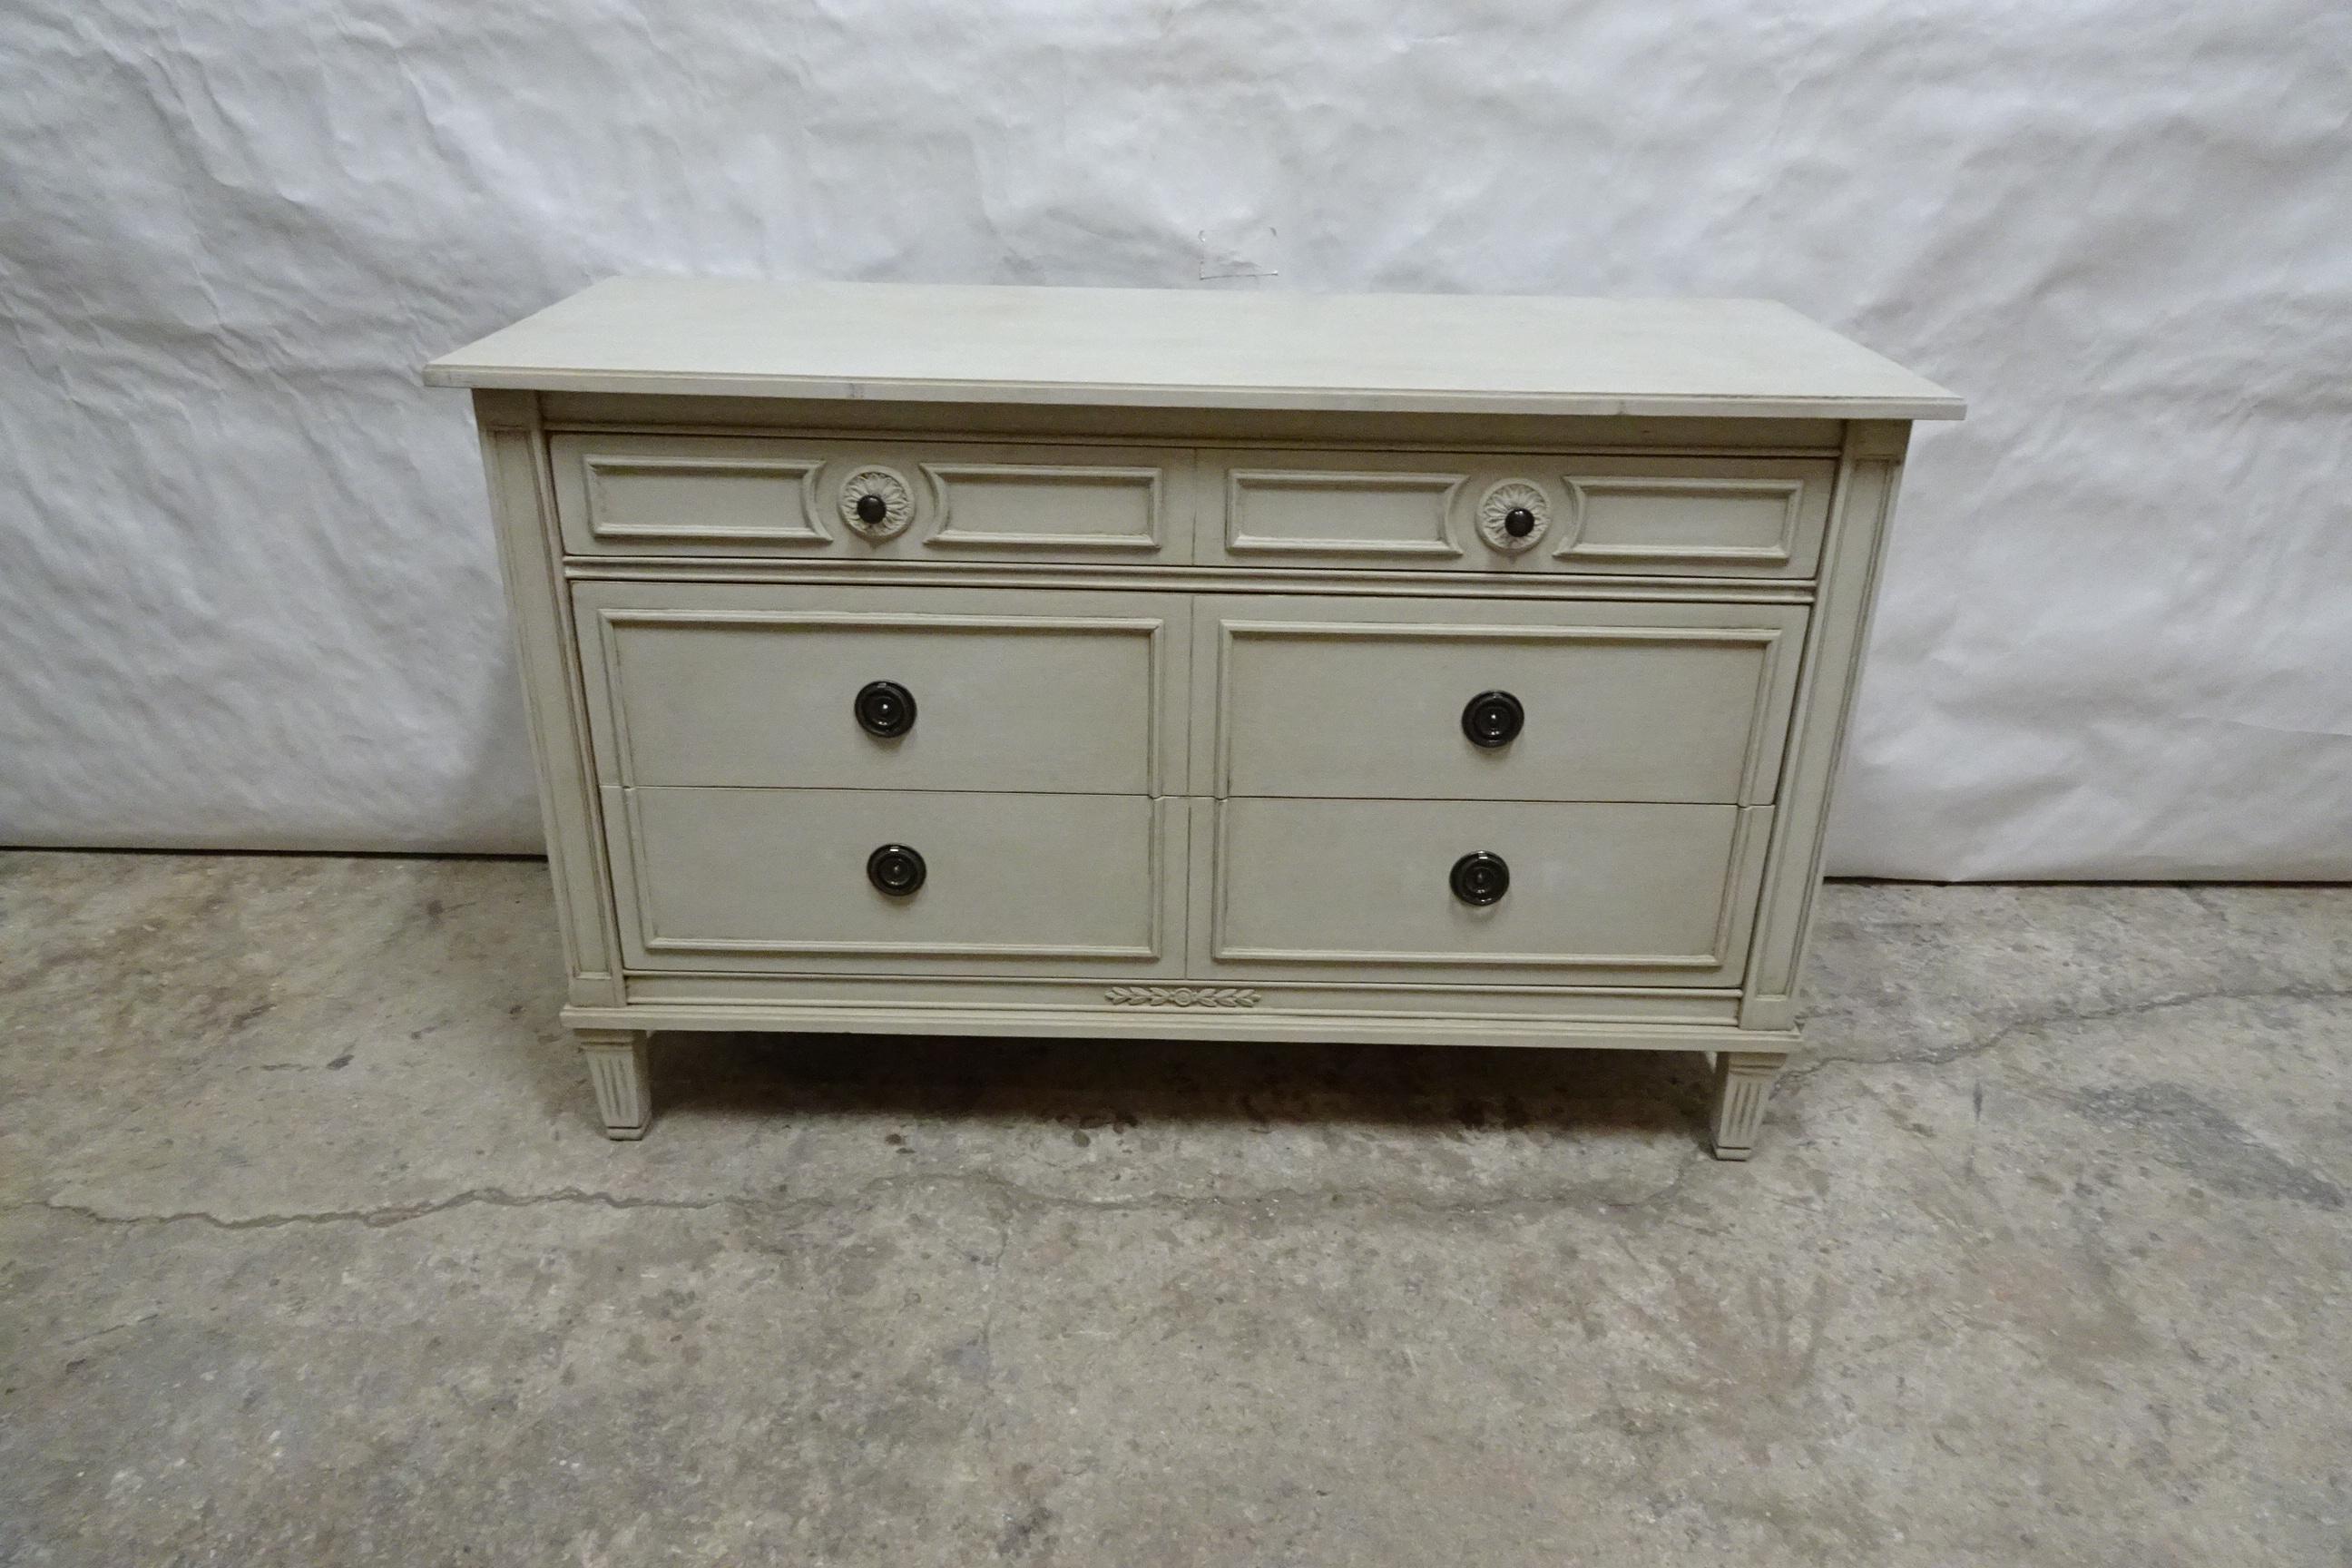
(312, 1253)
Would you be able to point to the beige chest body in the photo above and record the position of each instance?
(1084, 663)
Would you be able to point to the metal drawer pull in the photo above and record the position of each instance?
(896, 869)
(885, 710)
(1493, 718)
(1481, 877)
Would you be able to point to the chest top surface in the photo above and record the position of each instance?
(1196, 349)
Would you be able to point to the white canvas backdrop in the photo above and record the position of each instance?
(247, 595)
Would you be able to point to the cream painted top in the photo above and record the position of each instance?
(1196, 349)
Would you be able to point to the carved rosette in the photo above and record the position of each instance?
(891, 489)
(1181, 996)
(1495, 509)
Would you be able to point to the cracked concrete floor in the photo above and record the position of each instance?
(313, 1255)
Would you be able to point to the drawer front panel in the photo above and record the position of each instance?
(734, 878)
(1540, 512)
(1613, 701)
(759, 685)
(722, 495)
(1597, 893)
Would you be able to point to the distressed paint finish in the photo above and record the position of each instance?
(1869, 478)
(619, 1071)
(522, 514)
(1743, 1082)
(1189, 591)
(1164, 348)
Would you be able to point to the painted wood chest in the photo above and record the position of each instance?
(1255, 667)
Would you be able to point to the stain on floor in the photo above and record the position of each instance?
(313, 1253)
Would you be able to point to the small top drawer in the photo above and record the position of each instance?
(1662, 516)
(754, 685)
(623, 494)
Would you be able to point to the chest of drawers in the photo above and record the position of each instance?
(1098, 663)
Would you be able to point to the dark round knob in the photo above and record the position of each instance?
(1481, 878)
(1518, 522)
(897, 870)
(885, 708)
(1493, 718)
(872, 509)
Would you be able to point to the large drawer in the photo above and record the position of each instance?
(783, 881)
(1599, 702)
(1364, 889)
(753, 495)
(1540, 513)
(750, 684)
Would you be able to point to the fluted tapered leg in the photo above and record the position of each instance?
(1743, 1082)
(616, 1065)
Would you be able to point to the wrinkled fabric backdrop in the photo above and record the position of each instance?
(248, 598)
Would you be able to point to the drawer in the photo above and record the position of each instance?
(1597, 892)
(721, 495)
(781, 880)
(1357, 698)
(759, 685)
(1662, 516)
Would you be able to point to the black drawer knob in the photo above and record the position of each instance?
(896, 869)
(1481, 878)
(885, 710)
(1518, 522)
(1493, 718)
(872, 509)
